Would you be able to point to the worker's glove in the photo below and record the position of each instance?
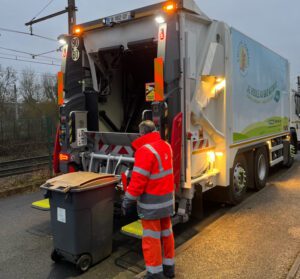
(128, 206)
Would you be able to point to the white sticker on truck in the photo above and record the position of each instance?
(61, 215)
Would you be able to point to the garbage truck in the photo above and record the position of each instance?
(220, 98)
(295, 116)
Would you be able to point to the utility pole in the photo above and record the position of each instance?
(71, 15)
(71, 10)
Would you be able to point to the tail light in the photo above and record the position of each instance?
(64, 157)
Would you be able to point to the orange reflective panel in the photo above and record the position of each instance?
(60, 88)
(159, 79)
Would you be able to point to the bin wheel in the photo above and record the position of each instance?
(84, 262)
(55, 256)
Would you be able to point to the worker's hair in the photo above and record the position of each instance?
(146, 127)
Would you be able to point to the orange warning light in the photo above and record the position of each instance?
(77, 30)
(63, 157)
(170, 6)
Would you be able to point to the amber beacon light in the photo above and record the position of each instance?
(77, 30)
(170, 6)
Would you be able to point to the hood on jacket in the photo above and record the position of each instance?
(146, 139)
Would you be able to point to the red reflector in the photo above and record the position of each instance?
(56, 151)
(72, 168)
(123, 151)
(162, 34)
(64, 52)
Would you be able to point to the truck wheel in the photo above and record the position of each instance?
(294, 140)
(261, 168)
(291, 156)
(55, 256)
(239, 180)
(84, 262)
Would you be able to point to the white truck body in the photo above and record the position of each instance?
(232, 91)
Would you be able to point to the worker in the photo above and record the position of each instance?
(152, 186)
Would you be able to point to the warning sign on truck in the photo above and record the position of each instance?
(150, 95)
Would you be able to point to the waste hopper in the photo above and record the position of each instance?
(81, 206)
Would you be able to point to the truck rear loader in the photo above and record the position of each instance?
(220, 98)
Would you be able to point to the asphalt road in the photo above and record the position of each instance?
(260, 238)
(26, 242)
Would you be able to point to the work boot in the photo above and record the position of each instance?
(154, 276)
(169, 271)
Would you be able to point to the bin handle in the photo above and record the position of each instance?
(47, 195)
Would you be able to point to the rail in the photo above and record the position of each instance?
(23, 166)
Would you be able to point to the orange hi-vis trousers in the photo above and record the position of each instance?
(158, 244)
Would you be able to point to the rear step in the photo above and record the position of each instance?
(41, 205)
(133, 229)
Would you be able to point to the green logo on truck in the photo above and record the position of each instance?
(265, 95)
(243, 58)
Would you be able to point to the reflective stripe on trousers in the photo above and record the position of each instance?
(158, 244)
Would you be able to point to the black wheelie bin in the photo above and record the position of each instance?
(81, 206)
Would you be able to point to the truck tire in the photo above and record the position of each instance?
(239, 180)
(290, 159)
(294, 140)
(261, 168)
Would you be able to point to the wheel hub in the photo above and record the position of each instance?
(239, 178)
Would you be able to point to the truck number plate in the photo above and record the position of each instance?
(118, 18)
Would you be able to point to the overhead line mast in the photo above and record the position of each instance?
(71, 10)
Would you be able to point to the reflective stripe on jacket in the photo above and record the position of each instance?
(152, 181)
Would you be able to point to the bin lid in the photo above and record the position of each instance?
(79, 181)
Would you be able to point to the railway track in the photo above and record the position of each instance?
(22, 166)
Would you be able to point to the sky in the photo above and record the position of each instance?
(274, 23)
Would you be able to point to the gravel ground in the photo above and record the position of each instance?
(258, 239)
(18, 184)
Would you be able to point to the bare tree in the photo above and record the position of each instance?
(29, 86)
(8, 78)
(49, 87)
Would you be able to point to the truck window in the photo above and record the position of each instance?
(297, 104)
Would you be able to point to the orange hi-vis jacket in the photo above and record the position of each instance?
(152, 180)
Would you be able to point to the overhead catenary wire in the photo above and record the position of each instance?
(34, 55)
(34, 62)
(27, 33)
(44, 8)
(25, 57)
